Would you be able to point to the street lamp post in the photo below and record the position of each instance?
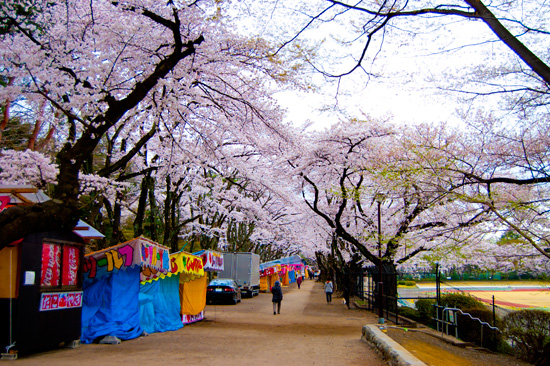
(379, 198)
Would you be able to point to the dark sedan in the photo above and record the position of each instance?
(223, 290)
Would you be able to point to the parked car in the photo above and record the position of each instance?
(223, 290)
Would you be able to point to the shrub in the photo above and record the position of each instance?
(530, 331)
(426, 310)
(406, 283)
(469, 329)
(410, 313)
(460, 301)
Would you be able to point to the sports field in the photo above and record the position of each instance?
(507, 294)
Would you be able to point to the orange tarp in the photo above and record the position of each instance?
(192, 295)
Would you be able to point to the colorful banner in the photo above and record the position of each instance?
(180, 262)
(51, 265)
(270, 271)
(139, 251)
(187, 319)
(213, 261)
(60, 300)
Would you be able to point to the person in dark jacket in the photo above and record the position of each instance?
(277, 292)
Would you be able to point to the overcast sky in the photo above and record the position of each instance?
(411, 68)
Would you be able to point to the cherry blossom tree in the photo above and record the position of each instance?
(501, 170)
(497, 169)
(346, 169)
(115, 70)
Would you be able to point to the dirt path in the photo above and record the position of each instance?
(307, 332)
(434, 352)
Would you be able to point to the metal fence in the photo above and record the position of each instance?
(367, 288)
(447, 321)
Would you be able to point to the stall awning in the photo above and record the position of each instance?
(86, 232)
(187, 265)
(13, 195)
(138, 251)
(295, 259)
(212, 261)
(27, 195)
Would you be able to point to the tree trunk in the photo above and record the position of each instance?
(142, 205)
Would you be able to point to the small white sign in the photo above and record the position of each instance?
(29, 277)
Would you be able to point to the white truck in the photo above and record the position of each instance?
(244, 268)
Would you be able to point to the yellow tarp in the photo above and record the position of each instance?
(193, 295)
(263, 284)
(285, 280)
(9, 270)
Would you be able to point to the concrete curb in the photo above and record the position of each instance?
(390, 350)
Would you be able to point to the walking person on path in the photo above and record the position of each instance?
(329, 289)
(277, 292)
(299, 281)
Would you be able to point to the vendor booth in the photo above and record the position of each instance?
(287, 270)
(184, 294)
(112, 276)
(268, 277)
(193, 292)
(40, 283)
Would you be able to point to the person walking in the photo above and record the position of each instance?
(299, 281)
(329, 289)
(277, 292)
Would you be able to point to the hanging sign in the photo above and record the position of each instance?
(139, 251)
(180, 262)
(51, 263)
(60, 300)
(71, 262)
(213, 261)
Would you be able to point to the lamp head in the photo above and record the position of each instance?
(379, 197)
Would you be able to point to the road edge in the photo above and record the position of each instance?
(390, 350)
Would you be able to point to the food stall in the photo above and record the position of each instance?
(181, 297)
(40, 283)
(193, 293)
(268, 277)
(112, 276)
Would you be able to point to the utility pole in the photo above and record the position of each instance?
(379, 198)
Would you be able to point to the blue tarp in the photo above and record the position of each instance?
(111, 306)
(159, 305)
(291, 276)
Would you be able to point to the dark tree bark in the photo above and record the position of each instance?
(62, 210)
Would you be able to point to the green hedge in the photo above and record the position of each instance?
(406, 283)
(530, 331)
(410, 313)
(460, 301)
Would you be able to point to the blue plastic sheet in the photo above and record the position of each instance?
(292, 276)
(111, 306)
(159, 305)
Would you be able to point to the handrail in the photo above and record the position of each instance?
(469, 315)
